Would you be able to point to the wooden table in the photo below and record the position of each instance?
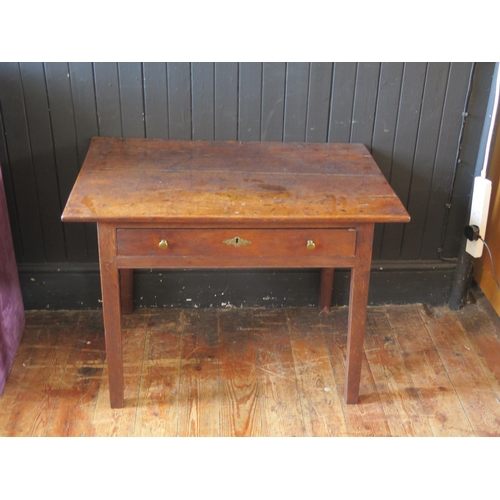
(188, 204)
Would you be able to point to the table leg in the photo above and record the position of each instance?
(110, 285)
(358, 302)
(325, 290)
(126, 286)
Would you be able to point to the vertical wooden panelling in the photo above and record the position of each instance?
(425, 157)
(342, 102)
(9, 192)
(155, 100)
(365, 100)
(226, 101)
(446, 157)
(273, 97)
(84, 109)
(108, 99)
(250, 101)
(320, 88)
(84, 106)
(131, 99)
(409, 116)
(202, 77)
(21, 164)
(385, 128)
(179, 100)
(40, 135)
(404, 150)
(297, 85)
(65, 147)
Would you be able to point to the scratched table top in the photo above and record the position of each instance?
(244, 183)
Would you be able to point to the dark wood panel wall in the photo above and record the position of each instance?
(410, 115)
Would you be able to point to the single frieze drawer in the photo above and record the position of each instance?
(236, 243)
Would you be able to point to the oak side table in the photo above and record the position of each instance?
(224, 204)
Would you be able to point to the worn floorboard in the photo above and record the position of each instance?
(319, 400)
(471, 383)
(259, 372)
(239, 403)
(367, 418)
(276, 376)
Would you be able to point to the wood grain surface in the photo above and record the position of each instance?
(228, 242)
(195, 181)
(258, 372)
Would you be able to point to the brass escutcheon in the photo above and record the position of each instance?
(310, 245)
(163, 244)
(237, 242)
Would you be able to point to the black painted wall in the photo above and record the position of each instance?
(422, 123)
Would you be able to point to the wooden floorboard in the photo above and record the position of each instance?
(400, 400)
(367, 418)
(465, 370)
(276, 376)
(239, 404)
(320, 402)
(259, 372)
(439, 401)
(158, 408)
(199, 389)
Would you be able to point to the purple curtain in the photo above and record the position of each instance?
(11, 301)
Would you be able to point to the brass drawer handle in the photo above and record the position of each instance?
(237, 242)
(310, 245)
(163, 244)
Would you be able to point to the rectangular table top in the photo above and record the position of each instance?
(245, 183)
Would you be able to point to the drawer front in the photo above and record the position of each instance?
(236, 243)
